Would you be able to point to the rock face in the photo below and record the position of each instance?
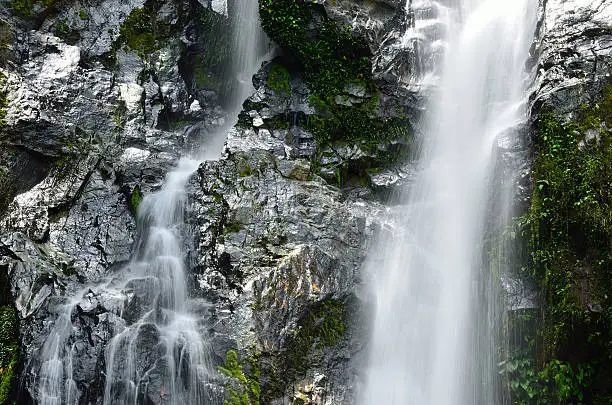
(93, 123)
(573, 53)
(96, 116)
(100, 106)
(571, 61)
(568, 131)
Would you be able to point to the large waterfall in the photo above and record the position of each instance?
(428, 313)
(159, 351)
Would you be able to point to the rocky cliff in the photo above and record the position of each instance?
(102, 97)
(560, 352)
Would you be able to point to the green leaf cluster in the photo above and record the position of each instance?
(242, 389)
(332, 60)
(557, 383)
(331, 56)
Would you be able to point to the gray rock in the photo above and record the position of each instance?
(573, 53)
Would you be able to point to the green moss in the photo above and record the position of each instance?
(135, 200)
(353, 124)
(83, 15)
(242, 389)
(278, 122)
(24, 8)
(278, 79)
(232, 227)
(570, 236)
(209, 58)
(9, 349)
(137, 32)
(245, 170)
(143, 32)
(323, 325)
(62, 29)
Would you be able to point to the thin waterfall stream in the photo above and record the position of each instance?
(159, 331)
(431, 344)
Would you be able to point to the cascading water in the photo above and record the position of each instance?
(163, 322)
(427, 307)
(159, 351)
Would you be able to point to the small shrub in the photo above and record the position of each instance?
(278, 79)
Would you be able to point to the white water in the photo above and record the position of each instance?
(430, 344)
(160, 336)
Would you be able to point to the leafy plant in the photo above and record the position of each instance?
(569, 226)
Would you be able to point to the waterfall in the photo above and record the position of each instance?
(159, 352)
(431, 343)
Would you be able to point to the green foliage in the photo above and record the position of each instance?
(83, 15)
(24, 8)
(135, 199)
(62, 29)
(335, 62)
(322, 326)
(9, 348)
(331, 57)
(556, 383)
(570, 232)
(286, 21)
(137, 33)
(278, 79)
(242, 389)
(353, 124)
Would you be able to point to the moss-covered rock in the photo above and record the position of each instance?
(241, 388)
(9, 348)
(24, 8)
(570, 236)
(144, 32)
(9, 340)
(335, 64)
(321, 326)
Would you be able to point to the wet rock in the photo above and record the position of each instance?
(572, 53)
(83, 131)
